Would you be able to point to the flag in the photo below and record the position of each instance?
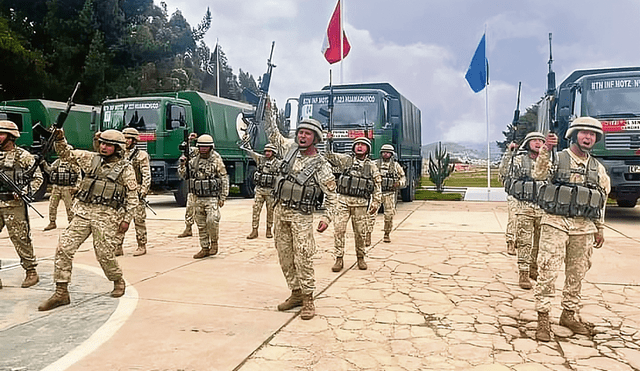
(478, 73)
(331, 44)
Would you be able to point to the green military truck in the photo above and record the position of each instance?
(611, 95)
(374, 110)
(79, 125)
(165, 119)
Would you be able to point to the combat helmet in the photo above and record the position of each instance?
(9, 127)
(132, 133)
(114, 137)
(363, 140)
(271, 147)
(313, 125)
(205, 140)
(387, 148)
(585, 123)
(531, 136)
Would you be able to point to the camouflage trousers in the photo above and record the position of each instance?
(389, 201)
(360, 222)
(207, 217)
(260, 199)
(103, 226)
(557, 247)
(296, 247)
(17, 223)
(512, 206)
(527, 240)
(140, 222)
(60, 193)
(190, 210)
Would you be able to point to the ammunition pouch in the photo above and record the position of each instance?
(210, 187)
(304, 198)
(388, 184)
(63, 178)
(102, 192)
(264, 180)
(525, 190)
(571, 200)
(355, 186)
(7, 196)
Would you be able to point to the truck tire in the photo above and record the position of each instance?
(409, 192)
(626, 202)
(247, 189)
(181, 194)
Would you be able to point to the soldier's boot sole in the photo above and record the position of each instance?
(203, 253)
(338, 265)
(31, 279)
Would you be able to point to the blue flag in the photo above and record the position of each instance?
(478, 72)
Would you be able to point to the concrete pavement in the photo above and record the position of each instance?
(442, 296)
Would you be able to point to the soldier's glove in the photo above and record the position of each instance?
(58, 134)
(599, 238)
(220, 203)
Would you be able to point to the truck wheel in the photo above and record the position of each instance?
(181, 194)
(247, 189)
(626, 203)
(409, 192)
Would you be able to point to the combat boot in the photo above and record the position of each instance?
(31, 278)
(295, 300)
(214, 248)
(268, 233)
(202, 253)
(338, 265)
(186, 233)
(367, 239)
(141, 250)
(568, 320)
(253, 234)
(543, 333)
(119, 251)
(524, 280)
(511, 248)
(118, 288)
(59, 298)
(361, 263)
(387, 230)
(533, 273)
(308, 309)
(50, 226)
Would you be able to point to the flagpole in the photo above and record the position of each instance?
(486, 108)
(217, 69)
(341, 40)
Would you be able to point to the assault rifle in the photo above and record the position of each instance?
(9, 183)
(185, 147)
(518, 130)
(253, 119)
(147, 205)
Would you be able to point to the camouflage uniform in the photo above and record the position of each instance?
(512, 204)
(64, 178)
(207, 208)
(190, 210)
(390, 169)
(140, 161)
(264, 194)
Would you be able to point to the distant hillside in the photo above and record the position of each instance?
(465, 151)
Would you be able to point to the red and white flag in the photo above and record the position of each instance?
(331, 45)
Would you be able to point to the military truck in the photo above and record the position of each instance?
(164, 120)
(374, 110)
(79, 125)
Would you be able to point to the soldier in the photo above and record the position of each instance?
(527, 213)
(264, 178)
(510, 231)
(358, 184)
(393, 179)
(305, 176)
(209, 183)
(64, 178)
(106, 200)
(573, 224)
(14, 161)
(140, 161)
(189, 211)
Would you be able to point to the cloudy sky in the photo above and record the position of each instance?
(423, 48)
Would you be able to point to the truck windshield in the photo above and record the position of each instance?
(144, 116)
(350, 110)
(612, 97)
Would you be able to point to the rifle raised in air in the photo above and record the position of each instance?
(9, 183)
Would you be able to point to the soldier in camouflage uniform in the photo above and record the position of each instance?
(510, 232)
(64, 178)
(189, 212)
(14, 161)
(305, 175)
(574, 202)
(264, 177)
(393, 179)
(209, 183)
(106, 199)
(359, 197)
(140, 161)
(527, 214)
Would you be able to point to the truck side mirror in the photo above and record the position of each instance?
(287, 110)
(394, 111)
(93, 125)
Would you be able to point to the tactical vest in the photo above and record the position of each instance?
(561, 197)
(265, 175)
(356, 180)
(521, 185)
(63, 175)
(15, 172)
(300, 192)
(202, 185)
(390, 178)
(100, 186)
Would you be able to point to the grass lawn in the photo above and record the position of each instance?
(474, 177)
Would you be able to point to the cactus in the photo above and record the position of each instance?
(440, 169)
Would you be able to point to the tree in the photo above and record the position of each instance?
(440, 168)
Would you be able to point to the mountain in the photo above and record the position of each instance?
(465, 151)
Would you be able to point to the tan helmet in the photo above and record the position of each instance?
(271, 147)
(131, 133)
(9, 127)
(313, 125)
(112, 136)
(205, 140)
(530, 136)
(585, 123)
(363, 140)
(387, 148)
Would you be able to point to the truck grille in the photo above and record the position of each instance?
(622, 141)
